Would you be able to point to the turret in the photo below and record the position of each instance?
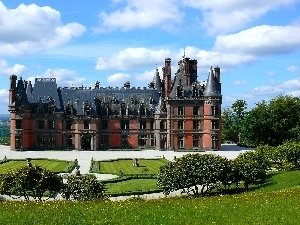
(12, 89)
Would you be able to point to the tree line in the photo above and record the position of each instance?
(270, 122)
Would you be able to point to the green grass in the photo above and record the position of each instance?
(147, 166)
(132, 185)
(277, 202)
(279, 207)
(56, 166)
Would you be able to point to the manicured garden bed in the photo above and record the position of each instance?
(57, 166)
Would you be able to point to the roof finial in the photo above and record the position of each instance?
(183, 53)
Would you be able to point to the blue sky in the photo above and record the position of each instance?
(256, 44)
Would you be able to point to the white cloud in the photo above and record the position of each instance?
(118, 79)
(17, 69)
(132, 58)
(292, 69)
(239, 82)
(30, 28)
(227, 16)
(267, 90)
(261, 40)
(291, 84)
(64, 77)
(4, 101)
(141, 14)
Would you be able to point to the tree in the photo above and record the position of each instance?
(248, 168)
(83, 187)
(274, 122)
(287, 156)
(232, 120)
(32, 181)
(191, 171)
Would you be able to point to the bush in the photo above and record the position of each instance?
(31, 181)
(287, 156)
(83, 187)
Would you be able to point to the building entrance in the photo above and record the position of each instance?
(86, 142)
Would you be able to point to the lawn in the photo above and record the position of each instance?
(56, 166)
(131, 186)
(146, 166)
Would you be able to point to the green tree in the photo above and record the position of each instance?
(232, 120)
(247, 168)
(287, 156)
(32, 181)
(191, 171)
(274, 122)
(83, 187)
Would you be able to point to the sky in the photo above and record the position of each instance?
(255, 43)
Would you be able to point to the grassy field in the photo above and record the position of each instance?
(260, 207)
(53, 165)
(132, 185)
(146, 166)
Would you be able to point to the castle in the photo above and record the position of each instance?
(169, 114)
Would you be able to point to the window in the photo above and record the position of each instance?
(86, 124)
(142, 110)
(18, 124)
(124, 124)
(104, 141)
(196, 124)
(40, 109)
(181, 141)
(214, 124)
(51, 124)
(69, 110)
(180, 125)
(104, 124)
(41, 124)
(68, 124)
(214, 141)
(180, 111)
(51, 109)
(162, 125)
(151, 124)
(196, 110)
(40, 140)
(124, 140)
(195, 141)
(18, 142)
(51, 141)
(87, 109)
(152, 140)
(214, 110)
(69, 141)
(143, 140)
(123, 109)
(143, 124)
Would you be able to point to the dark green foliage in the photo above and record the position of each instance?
(84, 187)
(274, 122)
(31, 181)
(249, 168)
(287, 156)
(192, 170)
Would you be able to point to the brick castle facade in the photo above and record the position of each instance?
(170, 114)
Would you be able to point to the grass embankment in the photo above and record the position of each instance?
(57, 166)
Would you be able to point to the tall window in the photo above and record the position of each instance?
(124, 124)
(104, 124)
(41, 124)
(142, 140)
(103, 140)
(196, 141)
(69, 110)
(196, 125)
(69, 141)
(87, 109)
(180, 125)
(51, 141)
(124, 140)
(86, 124)
(214, 141)
(68, 124)
(41, 140)
(196, 110)
(18, 142)
(180, 110)
(214, 110)
(181, 141)
(18, 124)
(51, 109)
(152, 140)
(51, 124)
(162, 125)
(143, 124)
(214, 124)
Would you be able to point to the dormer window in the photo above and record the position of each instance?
(142, 109)
(87, 109)
(69, 110)
(86, 124)
(123, 109)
